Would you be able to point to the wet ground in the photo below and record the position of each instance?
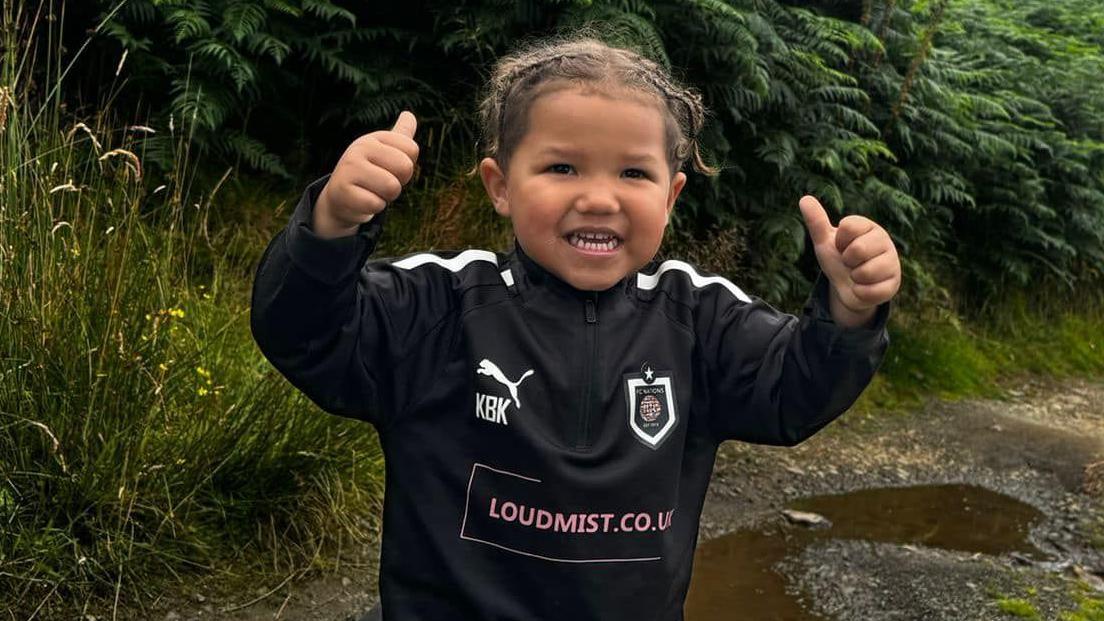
(936, 514)
(1031, 461)
(743, 570)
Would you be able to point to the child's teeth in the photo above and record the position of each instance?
(594, 241)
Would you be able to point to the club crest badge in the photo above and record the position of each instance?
(650, 396)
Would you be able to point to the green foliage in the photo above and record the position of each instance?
(935, 353)
(1036, 161)
(1016, 607)
(236, 71)
(972, 130)
(141, 438)
(1089, 608)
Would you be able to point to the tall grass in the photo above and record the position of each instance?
(142, 435)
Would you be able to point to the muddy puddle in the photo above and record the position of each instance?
(733, 576)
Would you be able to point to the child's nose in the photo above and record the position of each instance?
(597, 197)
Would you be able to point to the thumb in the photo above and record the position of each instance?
(816, 219)
(406, 125)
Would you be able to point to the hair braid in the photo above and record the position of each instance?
(519, 78)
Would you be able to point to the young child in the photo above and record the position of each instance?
(550, 416)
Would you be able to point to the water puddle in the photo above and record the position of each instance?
(733, 575)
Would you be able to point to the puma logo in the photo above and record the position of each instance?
(486, 367)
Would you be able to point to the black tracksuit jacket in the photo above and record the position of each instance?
(547, 449)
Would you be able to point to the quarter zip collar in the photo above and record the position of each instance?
(529, 273)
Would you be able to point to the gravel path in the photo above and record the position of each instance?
(1040, 446)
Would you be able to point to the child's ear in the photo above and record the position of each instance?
(494, 181)
(677, 183)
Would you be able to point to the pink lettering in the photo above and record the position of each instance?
(606, 517)
(565, 524)
(592, 523)
(543, 519)
(626, 526)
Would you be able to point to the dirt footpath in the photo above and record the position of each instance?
(1038, 446)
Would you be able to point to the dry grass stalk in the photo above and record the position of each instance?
(132, 161)
(6, 101)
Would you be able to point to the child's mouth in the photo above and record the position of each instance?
(593, 242)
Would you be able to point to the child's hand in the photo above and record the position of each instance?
(859, 259)
(370, 174)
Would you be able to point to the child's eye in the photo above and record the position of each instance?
(562, 169)
(636, 173)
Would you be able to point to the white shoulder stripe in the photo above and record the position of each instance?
(455, 264)
(651, 281)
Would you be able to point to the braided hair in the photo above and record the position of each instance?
(553, 64)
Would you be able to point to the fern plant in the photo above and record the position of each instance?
(970, 130)
(218, 68)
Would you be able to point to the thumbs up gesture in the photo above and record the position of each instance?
(370, 174)
(859, 259)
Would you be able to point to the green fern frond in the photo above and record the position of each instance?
(779, 149)
(836, 93)
(243, 19)
(329, 11)
(138, 12)
(264, 44)
(851, 119)
(217, 51)
(126, 38)
(719, 8)
(255, 153)
(283, 7)
(188, 23)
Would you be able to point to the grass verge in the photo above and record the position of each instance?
(143, 440)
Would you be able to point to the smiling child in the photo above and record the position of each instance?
(550, 415)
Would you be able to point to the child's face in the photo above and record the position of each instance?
(589, 189)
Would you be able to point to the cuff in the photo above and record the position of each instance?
(840, 339)
(329, 261)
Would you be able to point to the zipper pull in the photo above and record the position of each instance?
(591, 311)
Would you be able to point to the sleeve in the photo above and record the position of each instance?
(347, 332)
(778, 379)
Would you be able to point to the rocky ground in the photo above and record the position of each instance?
(1041, 445)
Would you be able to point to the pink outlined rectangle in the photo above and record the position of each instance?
(467, 506)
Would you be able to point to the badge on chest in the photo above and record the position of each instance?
(650, 396)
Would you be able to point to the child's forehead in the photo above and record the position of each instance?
(578, 113)
(611, 92)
